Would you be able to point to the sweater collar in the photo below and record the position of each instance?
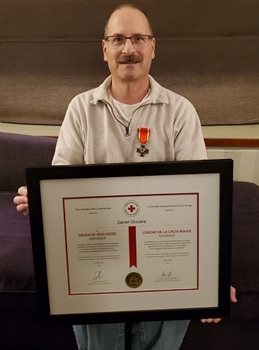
(157, 93)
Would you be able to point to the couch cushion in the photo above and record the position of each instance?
(16, 265)
(20, 151)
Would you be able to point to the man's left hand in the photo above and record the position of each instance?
(233, 298)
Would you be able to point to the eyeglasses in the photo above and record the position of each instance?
(118, 41)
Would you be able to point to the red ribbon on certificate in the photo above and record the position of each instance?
(132, 246)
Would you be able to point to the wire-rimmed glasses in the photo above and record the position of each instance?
(138, 41)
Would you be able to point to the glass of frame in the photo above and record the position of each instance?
(133, 241)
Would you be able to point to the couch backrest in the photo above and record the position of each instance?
(17, 152)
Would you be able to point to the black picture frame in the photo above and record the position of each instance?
(209, 180)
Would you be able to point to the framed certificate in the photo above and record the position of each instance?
(132, 242)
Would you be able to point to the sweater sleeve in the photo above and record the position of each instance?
(188, 139)
(70, 144)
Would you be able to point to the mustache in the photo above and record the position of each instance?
(129, 59)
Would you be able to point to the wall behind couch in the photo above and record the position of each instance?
(207, 50)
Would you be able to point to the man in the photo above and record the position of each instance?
(129, 118)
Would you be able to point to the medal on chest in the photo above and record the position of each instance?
(143, 137)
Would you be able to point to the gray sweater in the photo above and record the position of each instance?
(93, 131)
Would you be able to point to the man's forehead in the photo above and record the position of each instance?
(127, 19)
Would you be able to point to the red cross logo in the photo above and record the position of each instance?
(131, 208)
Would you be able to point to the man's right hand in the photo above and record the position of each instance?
(21, 200)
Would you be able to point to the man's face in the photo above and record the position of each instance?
(128, 63)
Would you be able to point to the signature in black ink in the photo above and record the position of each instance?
(97, 275)
(166, 274)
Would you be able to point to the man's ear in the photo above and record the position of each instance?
(154, 47)
(104, 50)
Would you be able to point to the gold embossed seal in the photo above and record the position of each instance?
(134, 280)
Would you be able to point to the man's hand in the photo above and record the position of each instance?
(21, 201)
(233, 299)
